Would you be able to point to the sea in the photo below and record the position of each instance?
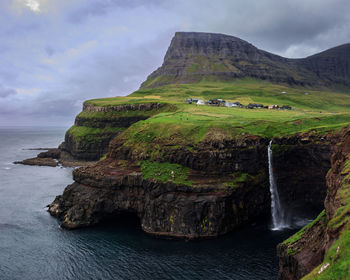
(33, 246)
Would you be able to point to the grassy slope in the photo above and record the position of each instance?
(189, 124)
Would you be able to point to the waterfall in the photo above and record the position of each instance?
(278, 217)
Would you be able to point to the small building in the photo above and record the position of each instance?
(217, 102)
(192, 100)
(255, 106)
(237, 104)
(286, 107)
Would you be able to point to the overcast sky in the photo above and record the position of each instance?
(54, 54)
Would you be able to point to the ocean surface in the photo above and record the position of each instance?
(33, 246)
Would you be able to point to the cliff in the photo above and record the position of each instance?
(195, 56)
(167, 209)
(201, 193)
(192, 171)
(96, 126)
(321, 250)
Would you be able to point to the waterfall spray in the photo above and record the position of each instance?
(277, 213)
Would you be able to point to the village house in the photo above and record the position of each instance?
(192, 100)
(217, 102)
(254, 106)
(286, 107)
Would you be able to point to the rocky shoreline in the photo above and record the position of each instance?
(54, 157)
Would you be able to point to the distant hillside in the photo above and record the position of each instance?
(194, 56)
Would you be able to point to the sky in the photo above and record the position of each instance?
(54, 54)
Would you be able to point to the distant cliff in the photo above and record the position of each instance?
(194, 56)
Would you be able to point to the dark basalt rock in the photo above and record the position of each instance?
(247, 154)
(164, 209)
(208, 208)
(87, 150)
(300, 168)
(39, 161)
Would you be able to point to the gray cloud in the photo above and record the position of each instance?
(5, 92)
(49, 50)
(102, 7)
(76, 50)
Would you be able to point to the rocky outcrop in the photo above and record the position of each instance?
(100, 124)
(211, 206)
(94, 128)
(54, 157)
(164, 209)
(305, 252)
(247, 154)
(193, 56)
(299, 258)
(89, 147)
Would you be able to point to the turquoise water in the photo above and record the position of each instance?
(33, 246)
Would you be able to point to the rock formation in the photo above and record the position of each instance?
(193, 56)
(211, 206)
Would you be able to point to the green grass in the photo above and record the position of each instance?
(238, 179)
(252, 90)
(295, 237)
(88, 134)
(182, 125)
(165, 172)
(338, 258)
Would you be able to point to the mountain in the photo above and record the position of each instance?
(194, 56)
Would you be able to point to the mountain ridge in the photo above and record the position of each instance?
(194, 56)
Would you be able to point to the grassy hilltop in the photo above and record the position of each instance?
(188, 124)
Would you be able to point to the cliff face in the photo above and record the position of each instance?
(213, 204)
(96, 126)
(321, 250)
(193, 56)
(212, 156)
(165, 209)
(300, 164)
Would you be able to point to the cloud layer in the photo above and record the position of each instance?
(55, 54)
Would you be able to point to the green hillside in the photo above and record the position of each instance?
(188, 124)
